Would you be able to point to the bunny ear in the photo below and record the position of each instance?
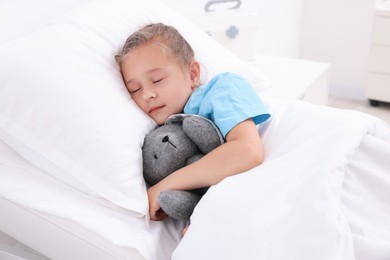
(179, 118)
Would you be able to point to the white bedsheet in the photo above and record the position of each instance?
(365, 199)
(82, 217)
(297, 204)
(320, 194)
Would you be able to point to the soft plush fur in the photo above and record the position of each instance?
(183, 139)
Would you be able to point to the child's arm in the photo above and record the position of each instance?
(242, 151)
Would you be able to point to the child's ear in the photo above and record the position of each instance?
(195, 73)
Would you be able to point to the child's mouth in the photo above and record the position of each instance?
(155, 109)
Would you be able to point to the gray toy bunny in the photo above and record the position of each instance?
(182, 140)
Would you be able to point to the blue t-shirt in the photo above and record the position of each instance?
(227, 100)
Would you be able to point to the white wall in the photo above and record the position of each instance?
(279, 26)
(332, 31)
(279, 30)
(338, 32)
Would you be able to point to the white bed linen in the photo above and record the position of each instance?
(301, 202)
(320, 194)
(111, 232)
(365, 199)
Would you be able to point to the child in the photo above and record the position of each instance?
(163, 78)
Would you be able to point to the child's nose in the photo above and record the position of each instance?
(149, 93)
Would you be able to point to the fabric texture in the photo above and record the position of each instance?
(293, 205)
(105, 230)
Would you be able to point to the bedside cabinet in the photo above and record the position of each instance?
(295, 78)
(378, 79)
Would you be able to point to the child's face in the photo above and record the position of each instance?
(158, 84)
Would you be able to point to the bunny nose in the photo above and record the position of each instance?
(166, 140)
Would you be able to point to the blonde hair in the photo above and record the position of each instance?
(171, 41)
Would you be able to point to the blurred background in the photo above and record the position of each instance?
(339, 33)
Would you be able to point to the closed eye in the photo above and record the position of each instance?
(134, 91)
(157, 81)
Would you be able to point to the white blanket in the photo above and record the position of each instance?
(290, 206)
(306, 201)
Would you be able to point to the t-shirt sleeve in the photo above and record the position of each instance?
(231, 100)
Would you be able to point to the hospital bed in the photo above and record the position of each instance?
(71, 166)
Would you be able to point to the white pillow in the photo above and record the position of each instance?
(64, 107)
(16, 22)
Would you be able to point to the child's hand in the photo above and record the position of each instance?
(155, 211)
